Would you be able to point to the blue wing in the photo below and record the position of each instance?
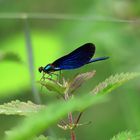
(75, 59)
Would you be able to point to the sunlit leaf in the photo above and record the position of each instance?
(113, 82)
(127, 135)
(19, 108)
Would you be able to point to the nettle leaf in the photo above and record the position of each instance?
(41, 121)
(127, 135)
(9, 56)
(37, 123)
(113, 82)
(79, 80)
(53, 86)
(19, 108)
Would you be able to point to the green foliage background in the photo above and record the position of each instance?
(103, 24)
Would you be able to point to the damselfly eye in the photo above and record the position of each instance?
(40, 69)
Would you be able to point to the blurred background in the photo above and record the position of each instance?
(35, 33)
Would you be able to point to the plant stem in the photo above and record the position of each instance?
(28, 42)
(70, 118)
(73, 137)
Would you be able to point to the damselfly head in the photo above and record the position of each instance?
(40, 69)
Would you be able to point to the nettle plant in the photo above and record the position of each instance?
(39, 118)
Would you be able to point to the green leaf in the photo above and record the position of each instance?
(127, 135)
(113, 82)
(9, 56)
(78, 81)
(53, 86)
(37, 123)
(19, 108)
